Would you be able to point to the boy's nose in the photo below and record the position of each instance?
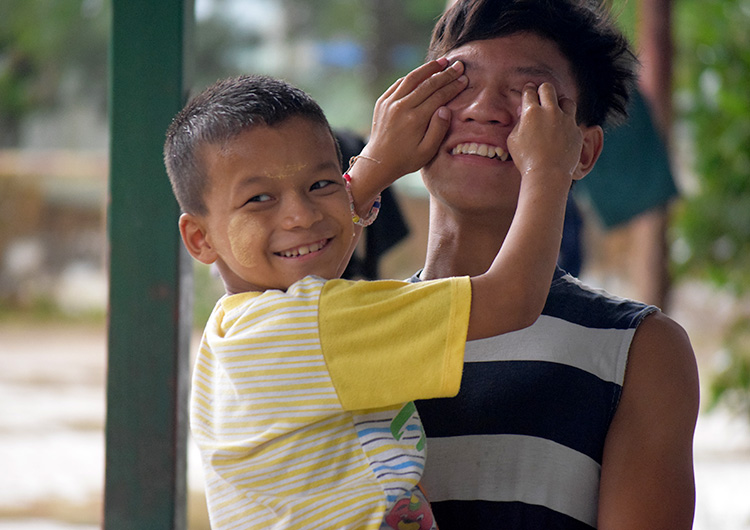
(299, 212)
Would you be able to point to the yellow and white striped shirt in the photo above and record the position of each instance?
(301, 399)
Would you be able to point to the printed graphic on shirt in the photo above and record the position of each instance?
(393, 441)
(412, 513)
(399, 424)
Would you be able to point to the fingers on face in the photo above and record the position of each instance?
(436, 129)
(445, 82)
(546, 96)
(441, 88)
(530, 96)
(417, 76)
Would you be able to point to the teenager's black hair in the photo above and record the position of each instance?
(600, 56)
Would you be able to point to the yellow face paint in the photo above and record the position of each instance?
(287, 171)
(243, 229)
(240, 233)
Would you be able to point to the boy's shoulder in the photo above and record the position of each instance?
(242, 308)
(308, 287)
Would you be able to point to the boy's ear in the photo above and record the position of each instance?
(593, 142)
(193, 232)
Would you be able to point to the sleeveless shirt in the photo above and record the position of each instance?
(521, 445)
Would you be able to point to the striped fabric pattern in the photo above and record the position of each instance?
(399, 468)
(278, 449)
(521, 445)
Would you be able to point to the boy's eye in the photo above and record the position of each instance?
(263, 197)
(321, 184)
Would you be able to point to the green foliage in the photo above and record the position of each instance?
(625, 14)
(713, 82)
(732, 384)
(391, 35)
(41, 42)
(713, 224)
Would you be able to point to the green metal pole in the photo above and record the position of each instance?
(150, 300)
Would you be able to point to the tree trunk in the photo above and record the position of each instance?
(655, 42)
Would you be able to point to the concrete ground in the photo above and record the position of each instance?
(52, 388)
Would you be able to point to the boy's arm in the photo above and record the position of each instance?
(408, 125)
(647, 468)
(546, 146)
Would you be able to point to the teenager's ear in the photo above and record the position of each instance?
(193, 232)
(593, 142)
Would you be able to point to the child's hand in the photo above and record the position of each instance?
(409, 121)
(546, 140)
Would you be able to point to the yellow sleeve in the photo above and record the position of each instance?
(390, 342)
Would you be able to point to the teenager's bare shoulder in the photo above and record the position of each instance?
(662, 340)
(662, 365)
(647, 471)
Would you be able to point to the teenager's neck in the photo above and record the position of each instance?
(462, 244)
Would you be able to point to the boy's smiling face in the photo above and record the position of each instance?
(277, 208)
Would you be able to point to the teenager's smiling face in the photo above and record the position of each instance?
(472, 167)
(277, 207)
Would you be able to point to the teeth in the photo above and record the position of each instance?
(489, 151)
(301, 251)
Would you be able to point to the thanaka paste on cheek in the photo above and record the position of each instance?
(240, 240)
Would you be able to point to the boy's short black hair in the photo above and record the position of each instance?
(600, 56)
(221, 112)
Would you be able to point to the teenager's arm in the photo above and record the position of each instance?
(408, 125)
(546, 146)
(647, 469)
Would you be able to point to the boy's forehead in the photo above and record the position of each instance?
(271, 151)
(258, 137)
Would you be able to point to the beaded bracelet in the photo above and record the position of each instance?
(371, 215)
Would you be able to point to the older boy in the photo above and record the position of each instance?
(301, 398)
(585, 419)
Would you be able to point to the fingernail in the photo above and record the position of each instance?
(458, 66)
(443, 61)
(463, 79)
(444, 113)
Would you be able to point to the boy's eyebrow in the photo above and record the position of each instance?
(329, 164)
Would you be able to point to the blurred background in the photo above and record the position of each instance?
(665, 218)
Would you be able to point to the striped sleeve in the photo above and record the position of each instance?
(278, 450)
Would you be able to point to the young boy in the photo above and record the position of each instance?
(303, 387)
